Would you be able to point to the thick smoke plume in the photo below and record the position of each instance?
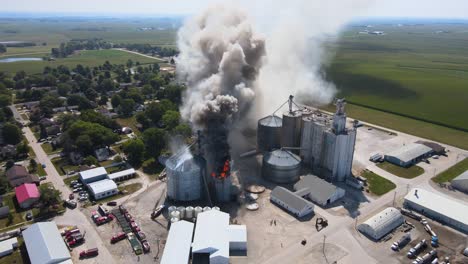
(220, 57)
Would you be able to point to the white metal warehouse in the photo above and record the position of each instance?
(382, 223)
(408, 155)
(440, 208)
(122, 175)
(461, 182)
(93, 175)
(45, 244)
(214, 238)
(179, 242)
(102, 189)
(291, 202)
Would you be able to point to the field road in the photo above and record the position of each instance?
(70, 217)
(141, 54)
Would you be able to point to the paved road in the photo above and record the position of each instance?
(141, 54)
(70, 217)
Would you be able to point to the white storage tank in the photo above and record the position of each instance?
(171, 209)
(197, 210)
(269, 133)
(206, 209)
(181, 210)
(281, 166)
(174, 219)
(189, 212)
(184, 177)
(216, 208)
(175, 214)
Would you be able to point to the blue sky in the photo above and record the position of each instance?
(378, 8)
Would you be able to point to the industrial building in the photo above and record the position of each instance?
(103, 188)
(184, 177)
(93, 175)
(291, 202)
(461, 182)
(45, 244)
(327, 145)
(444, 210)
(122, 175)
(318, 190)
(409, 155)
(214, 238)
(281, 166)
(178, 244)
(8, 246)
(382, 223)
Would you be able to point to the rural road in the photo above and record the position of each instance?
(70, 217)
(141, 54)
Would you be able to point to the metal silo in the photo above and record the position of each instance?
(312, 139)
(291, 129)
(269, 133)
(184, 178)
(281, 166)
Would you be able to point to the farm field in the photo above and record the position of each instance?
(85, 58)
(420, 71)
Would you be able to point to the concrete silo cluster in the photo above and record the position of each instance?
(309, 137)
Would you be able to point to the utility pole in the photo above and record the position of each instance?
(323, 248)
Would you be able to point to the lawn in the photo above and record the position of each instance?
(129, 122)
(452, 172)
(378, 185)
(407, 173)
(47, 147)
(62, 165)
(86, 58)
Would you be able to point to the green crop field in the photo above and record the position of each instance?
(85, 58)
(452, 172)
(420, 71)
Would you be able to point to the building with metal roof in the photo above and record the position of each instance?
(93, 175)
(461, 182)
(7, 246)
(440, 208)
(212, 240)
(103, 188)
(122, 175)
(291, 202)
(382, 223)
(45, 244)
(408, 155)
(27, 194)
(318, 190)
(178, 244)
(281, 166)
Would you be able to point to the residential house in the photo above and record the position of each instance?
(27, 195)
(18, 175)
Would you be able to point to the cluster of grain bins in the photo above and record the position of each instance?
(188, 213)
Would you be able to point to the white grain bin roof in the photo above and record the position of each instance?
(440, 204)
(45, 244)
(410, 152)
(121, 174)
(179, 240)
(382, 223)
(102, 186)
(89, 174)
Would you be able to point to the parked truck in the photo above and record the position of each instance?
(427, 258)
(120, 236)
(414, 251)
(89, 253)
(402, 242)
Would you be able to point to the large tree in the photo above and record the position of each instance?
(86, 136)
(134, 149)
(12, 134)
(155, 141)
(171, 119)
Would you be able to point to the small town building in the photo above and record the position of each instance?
(18, 175)
(93, 175)
(461, 182)
(443, 209)
(291, 202)
(178, 244)
(436, 148)
(214, 238)
(103, 188)
(27, 194)
(382, 223)
(8, 152)
(318, 190)
(8, 246)
(102, 154)
(409, 155)
(122, 175)
(45, 244)
(4, 211)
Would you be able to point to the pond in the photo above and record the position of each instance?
(6, 60)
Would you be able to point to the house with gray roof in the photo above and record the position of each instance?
(291, 202)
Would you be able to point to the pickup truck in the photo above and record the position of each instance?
(120, 236)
